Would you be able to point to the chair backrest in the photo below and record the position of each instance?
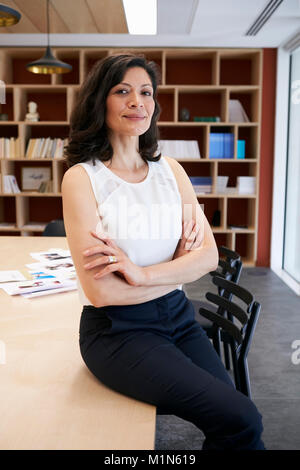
(55, 228)
(230, 268)
(226, 305)
(238, 337)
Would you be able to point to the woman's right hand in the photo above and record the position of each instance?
(191, 238)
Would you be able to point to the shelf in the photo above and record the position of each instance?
(190, 67)
(239, 67)
(200, 79)
(224, 195)
(207, 123)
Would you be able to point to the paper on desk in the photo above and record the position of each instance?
(51, 255)
(54, 262)
(48, 292)
(56, 268)
(37, 285)
(9, 276)
(54, 271)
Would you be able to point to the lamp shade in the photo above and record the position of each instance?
(48, 64)
(8, 16)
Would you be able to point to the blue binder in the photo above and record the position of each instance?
(215, 145)
(221, 145)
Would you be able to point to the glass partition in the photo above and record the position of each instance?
(291, 251)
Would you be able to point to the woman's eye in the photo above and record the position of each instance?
(147, 93)
(121, 91)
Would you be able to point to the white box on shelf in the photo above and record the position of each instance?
(246, 184)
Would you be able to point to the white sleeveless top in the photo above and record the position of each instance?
(144, 219)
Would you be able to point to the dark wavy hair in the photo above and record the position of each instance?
(88, 137)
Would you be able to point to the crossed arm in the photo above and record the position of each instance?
(186, 266)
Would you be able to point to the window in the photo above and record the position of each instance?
(291, 250)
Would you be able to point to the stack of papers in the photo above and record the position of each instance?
(201, 184)
(180, 149)
(52, 272)
(246, 184)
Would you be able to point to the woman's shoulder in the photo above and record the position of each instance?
(173, 164)
(179, 173)
(81, 168)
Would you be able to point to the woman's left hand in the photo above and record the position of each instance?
(133, 274)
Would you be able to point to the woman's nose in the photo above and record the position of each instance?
(135, 101)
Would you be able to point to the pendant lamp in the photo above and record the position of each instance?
(48, 63)
(8, 16)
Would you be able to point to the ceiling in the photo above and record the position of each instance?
(181, 23)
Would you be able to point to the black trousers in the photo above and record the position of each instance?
(157, 353)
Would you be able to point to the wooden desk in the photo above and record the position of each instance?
(48, 397)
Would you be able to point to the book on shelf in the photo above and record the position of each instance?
(45, 187)
(180, 149)
(34, 226)
(238, 227)
(201, 184)
(221, 145)
(10, 184)
(7, 225)
(207, 119)
(45, 147)
(237, 112)
(9, 147)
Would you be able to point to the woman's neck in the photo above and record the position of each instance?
(126, 156)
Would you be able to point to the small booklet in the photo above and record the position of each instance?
(37, 285)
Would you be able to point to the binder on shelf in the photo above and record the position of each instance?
(215, 145)
(228, 145)
(221, 145)
(241, 147)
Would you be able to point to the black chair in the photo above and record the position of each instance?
(229, 269)
(238, 338)
(55, 228)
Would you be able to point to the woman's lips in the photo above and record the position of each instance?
(135, 118)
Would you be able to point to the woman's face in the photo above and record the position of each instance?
(130, 104)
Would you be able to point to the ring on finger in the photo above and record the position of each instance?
(112, 259)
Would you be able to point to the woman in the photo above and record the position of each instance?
(138, 334)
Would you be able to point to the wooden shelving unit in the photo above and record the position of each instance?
(202, 80)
